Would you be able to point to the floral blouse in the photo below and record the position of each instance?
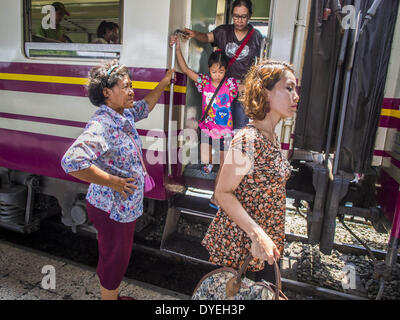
(106, 144)
(218, 122)
(262, 194)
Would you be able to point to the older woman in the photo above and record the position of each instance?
(106, 156)
(252, 196)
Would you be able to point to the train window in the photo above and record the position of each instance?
(205, 16)
(260, 17)
(73, 28)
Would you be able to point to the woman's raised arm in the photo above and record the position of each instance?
(155, 94)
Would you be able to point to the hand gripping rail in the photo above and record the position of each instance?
(171, 104)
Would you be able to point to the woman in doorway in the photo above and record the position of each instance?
(228, 38)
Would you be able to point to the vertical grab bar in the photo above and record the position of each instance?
(171, 104)
(170, 111)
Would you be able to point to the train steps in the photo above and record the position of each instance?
(189, 215)
(186, 223)
(194, 177)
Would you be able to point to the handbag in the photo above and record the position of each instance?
(149, 183)
(229, 284)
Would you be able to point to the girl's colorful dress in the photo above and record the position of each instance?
(218, 122)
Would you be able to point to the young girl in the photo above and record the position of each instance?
(217, 127)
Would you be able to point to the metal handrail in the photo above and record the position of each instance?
(171, 104)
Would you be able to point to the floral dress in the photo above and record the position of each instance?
(262, 194)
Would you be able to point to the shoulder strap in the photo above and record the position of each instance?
(139, 153)
(239, 50)
(212, 99)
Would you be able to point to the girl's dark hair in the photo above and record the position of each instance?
(104, 76)
(104, 26)
(218, 57)
(246, 3)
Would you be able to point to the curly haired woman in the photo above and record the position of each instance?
(252, 196)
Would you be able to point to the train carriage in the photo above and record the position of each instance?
(343, 144)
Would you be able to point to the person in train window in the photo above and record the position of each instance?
(229, 37)
(106, 156)
(253, 196)
(57, 34)
(217, 127)
(107, 33)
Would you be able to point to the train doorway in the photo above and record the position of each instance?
(190, 212)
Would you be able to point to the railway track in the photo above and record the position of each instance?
(343, 247)
(180, 273)
(162, 268)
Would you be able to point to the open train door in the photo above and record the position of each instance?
(342, 92)
(276, 20)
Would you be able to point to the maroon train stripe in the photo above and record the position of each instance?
(77, 90)
(386, 194)
(78, 124)
(393, 160)
(41, 154)
(381, 153)
(43, 120)
(391, 103)
(285, 146)
(389, 122)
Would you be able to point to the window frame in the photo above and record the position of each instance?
(84, 51)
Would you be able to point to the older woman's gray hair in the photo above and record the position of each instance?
(103, 76)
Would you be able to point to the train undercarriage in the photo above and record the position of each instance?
(325, 198)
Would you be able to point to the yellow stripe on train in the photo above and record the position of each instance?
(391, 113)
(146, 85)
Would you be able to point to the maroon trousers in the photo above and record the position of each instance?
(115, 241)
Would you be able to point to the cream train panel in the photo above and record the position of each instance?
(146, 39)
(48, 106)
(10, 49)
(379, 145)
(284, 16)
(392, 89)
(66, 108)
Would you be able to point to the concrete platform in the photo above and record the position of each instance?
(27, 274)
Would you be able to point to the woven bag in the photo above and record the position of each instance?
(229, 284)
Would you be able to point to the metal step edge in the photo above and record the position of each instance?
(195, 213)
(186, 257)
